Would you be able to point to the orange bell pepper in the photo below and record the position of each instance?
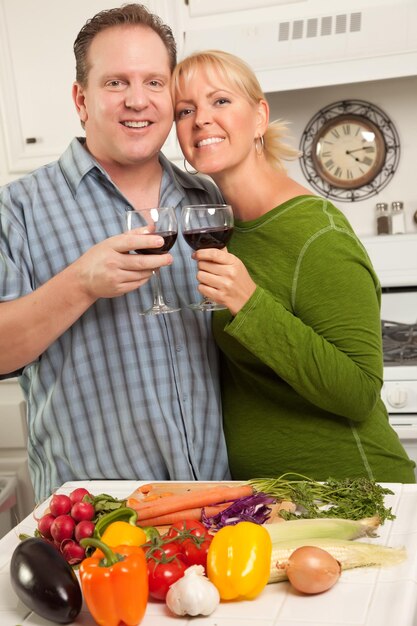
(115, 583)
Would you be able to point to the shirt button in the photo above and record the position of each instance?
(178, 348)
(185, 398)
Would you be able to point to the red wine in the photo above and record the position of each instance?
(169, 237)
(208, 237)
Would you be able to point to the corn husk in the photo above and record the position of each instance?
(328, 527)
(350, 554)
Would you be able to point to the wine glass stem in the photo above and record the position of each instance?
(158, 299)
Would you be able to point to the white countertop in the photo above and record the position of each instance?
(362, 597)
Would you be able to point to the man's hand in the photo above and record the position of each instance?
(108, 270)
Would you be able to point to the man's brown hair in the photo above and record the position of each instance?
(126, 15)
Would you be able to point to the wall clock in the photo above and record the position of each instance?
(350, 150)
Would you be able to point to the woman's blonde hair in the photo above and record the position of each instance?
(239, 75)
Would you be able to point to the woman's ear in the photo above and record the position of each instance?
(79, 101)
(262, 117)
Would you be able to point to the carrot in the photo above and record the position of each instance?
(173, 486)
(190, 500)
(154, 496)
(194, 514)
(145, 488)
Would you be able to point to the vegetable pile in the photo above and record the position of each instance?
(212, 544)
(70, 519)
(73, 517)
(168, 556)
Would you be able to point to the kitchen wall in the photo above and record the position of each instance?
(398, 99)
(51, 110)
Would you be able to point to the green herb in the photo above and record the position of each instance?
(103, 504)
(349, 498)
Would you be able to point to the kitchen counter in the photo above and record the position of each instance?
(362, 597)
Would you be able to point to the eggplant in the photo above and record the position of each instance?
(44, 581)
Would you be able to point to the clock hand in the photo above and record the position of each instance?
(349, 152)
(356, 149)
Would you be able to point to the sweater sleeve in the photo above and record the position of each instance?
(328, 347)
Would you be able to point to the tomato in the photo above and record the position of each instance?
(192, 526)
(164, 551)
(194, 540)
(185, 544)
(195, 553)
(163, 571)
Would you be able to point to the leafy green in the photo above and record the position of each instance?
(103, 504)
(349, 498)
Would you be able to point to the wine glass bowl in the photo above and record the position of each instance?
(160, 221)
(207, 226)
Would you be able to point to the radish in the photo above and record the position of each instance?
(44, 525)
(82, 511)
(60, 504)
(78, 494)
(62, 528)
(72, 552)
(84, 530)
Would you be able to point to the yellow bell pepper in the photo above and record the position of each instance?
(122, 533)
(239, 560)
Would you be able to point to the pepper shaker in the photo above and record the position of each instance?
(383, 219)
(397, 218)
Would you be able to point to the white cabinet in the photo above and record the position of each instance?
(12, 431)
(295, 44)
(37, 69)
(13, 454)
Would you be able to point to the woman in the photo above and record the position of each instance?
(301, 340)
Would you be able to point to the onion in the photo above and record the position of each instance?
(312, 570)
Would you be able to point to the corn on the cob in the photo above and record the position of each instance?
(329, 527)
(350, 554)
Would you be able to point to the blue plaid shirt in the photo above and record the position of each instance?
(118, 395)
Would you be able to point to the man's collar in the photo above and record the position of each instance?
(76, 162)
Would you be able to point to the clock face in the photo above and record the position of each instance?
(349, 151)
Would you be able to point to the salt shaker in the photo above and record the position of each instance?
(383, 219)
(397, 218)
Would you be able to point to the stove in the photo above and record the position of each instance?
(399, 343)
(394, 258)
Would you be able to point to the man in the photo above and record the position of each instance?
(111, 394)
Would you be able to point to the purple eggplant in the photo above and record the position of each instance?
(45, 582)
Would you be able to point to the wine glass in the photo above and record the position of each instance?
(207, 226)
(160, 221)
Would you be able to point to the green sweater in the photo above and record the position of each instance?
(302, 361)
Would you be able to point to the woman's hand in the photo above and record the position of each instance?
(223, 278)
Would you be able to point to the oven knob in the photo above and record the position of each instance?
(397, 397)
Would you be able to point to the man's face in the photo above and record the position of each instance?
(126, 106)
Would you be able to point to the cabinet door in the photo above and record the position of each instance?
(37, 69)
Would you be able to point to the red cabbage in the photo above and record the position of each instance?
(248, 509)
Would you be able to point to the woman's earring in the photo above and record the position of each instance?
(259, 144)
(189, 171)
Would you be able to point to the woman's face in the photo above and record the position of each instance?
(216, 124)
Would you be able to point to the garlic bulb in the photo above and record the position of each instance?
(193, 594)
